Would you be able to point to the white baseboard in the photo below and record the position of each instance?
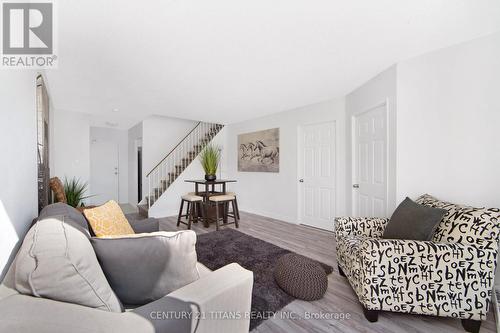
(271, 215)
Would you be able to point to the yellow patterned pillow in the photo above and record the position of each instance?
(108, 220)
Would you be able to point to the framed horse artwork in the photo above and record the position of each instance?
(259, 151)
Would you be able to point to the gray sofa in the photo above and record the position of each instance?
(196, 307)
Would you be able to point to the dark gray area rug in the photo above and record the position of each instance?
(219, 248)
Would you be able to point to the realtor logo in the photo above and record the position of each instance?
(28, 35)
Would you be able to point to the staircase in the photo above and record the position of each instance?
(176, 161)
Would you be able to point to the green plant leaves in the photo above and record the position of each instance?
(209, 158)
(75, 191)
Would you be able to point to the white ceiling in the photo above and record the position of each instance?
(230, 60)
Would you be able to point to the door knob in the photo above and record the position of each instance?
(355, 185)
(301, 180)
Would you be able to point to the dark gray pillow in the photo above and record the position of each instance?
(413, 221)
(75, 218)
(142, 268)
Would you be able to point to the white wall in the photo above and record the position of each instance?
(159, 136)
(119, 138)
(18, 162)
(378, 90)
(70, 145)
(448, 124)
(276, 194)
(134, 140)
(72, 135)
(168, 203)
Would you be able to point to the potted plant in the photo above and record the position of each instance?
(209, 159)
(75, 191)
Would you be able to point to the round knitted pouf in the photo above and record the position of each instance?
(301, 277)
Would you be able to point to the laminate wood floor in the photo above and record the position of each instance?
(339, 298)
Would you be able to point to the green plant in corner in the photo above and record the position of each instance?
(209, 159)
(75, 190)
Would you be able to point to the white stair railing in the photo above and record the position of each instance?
(174, 163)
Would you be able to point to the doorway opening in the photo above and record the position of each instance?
(139, 174)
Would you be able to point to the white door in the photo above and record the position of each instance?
(370, 163)
(317, 167)
(103, 172)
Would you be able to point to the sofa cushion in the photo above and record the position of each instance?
(108, 220)
(465, 224)
(413, 221)
(56, 261)
(75, 218)
(145, 267)
(149, 224)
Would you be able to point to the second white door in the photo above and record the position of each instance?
(317, 167)
(104, 172)
(370, 163)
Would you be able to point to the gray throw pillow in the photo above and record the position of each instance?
(56, 261)
(413, 221)
(74, 217)
(142, 268)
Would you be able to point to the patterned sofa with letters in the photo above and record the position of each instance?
(451, 276)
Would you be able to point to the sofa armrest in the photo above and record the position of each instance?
(217, 302)
(145, 226)
(446, 279)
(360, 226)
(27, 314)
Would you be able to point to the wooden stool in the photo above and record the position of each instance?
(237, 210)
(225, 200)
(193, 209)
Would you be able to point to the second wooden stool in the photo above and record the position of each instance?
(224, 200)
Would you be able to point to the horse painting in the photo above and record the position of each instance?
(259, 151)
(267, 153)
(244, 150)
